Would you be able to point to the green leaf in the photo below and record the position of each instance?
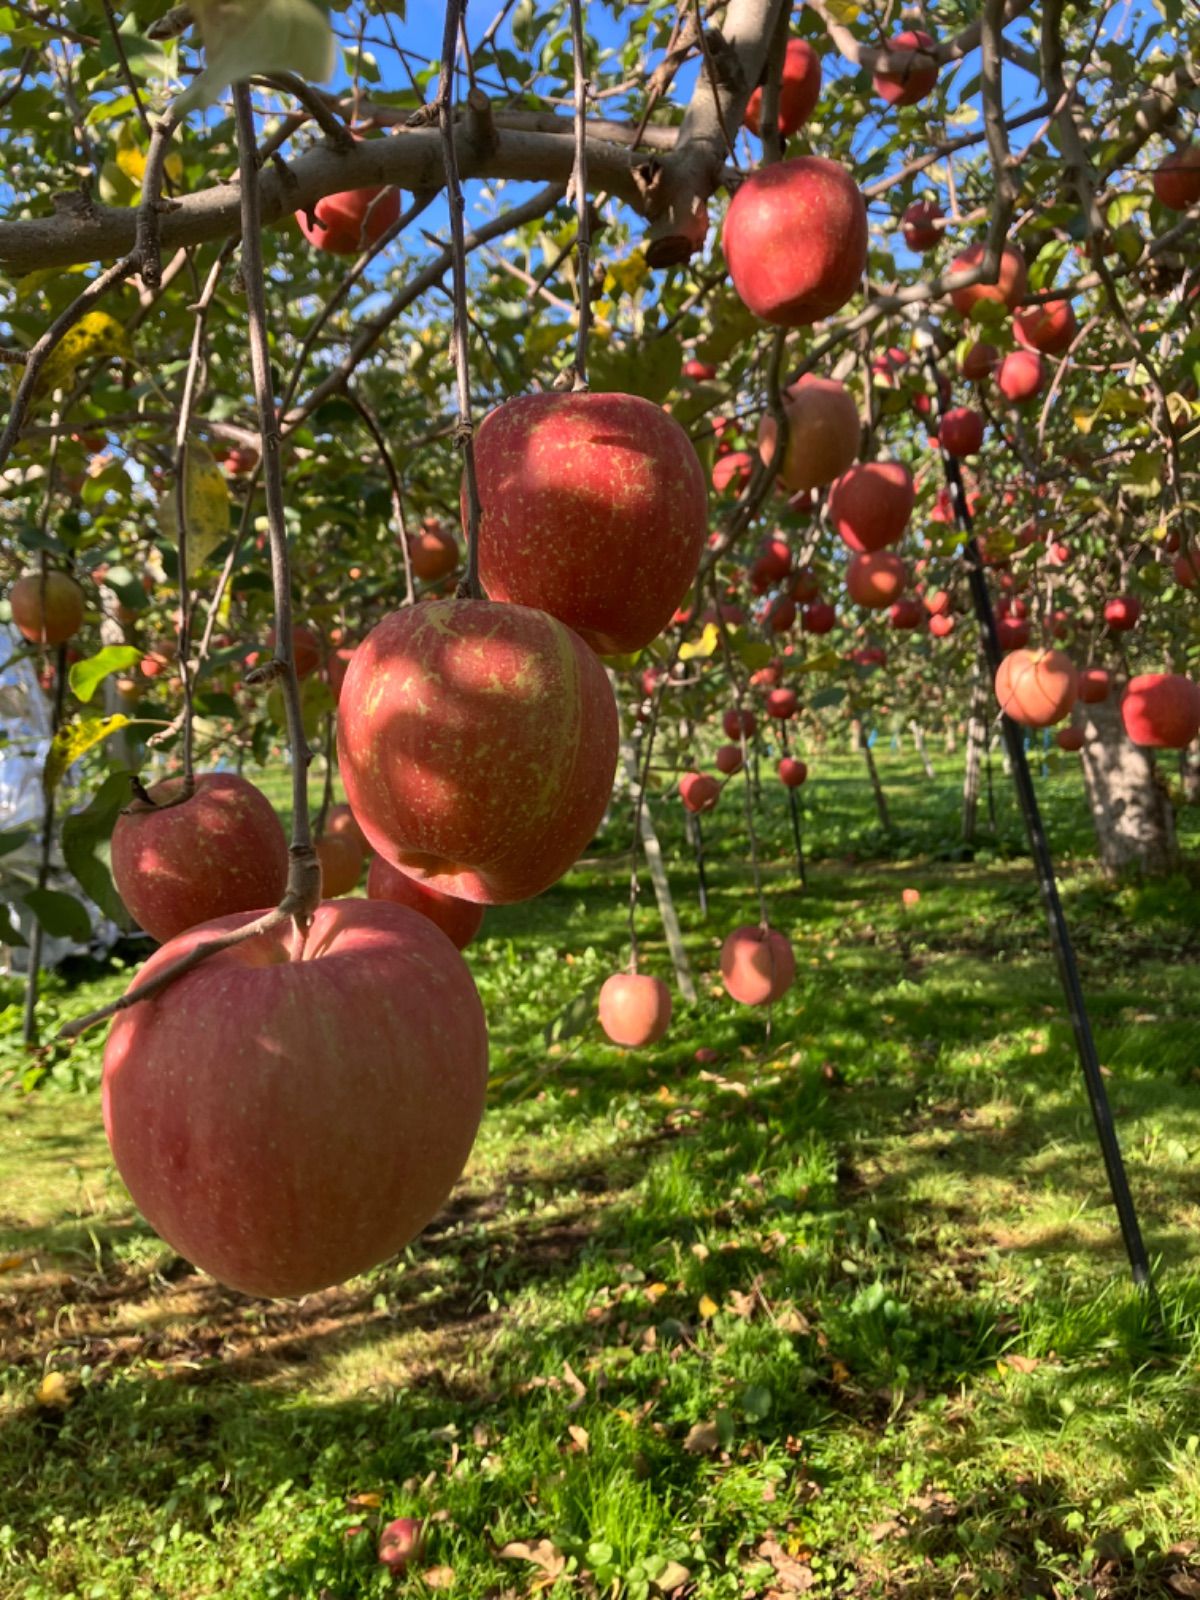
(73, 740)
(13, 841)
(85, 677)
(61, 915)
(571, 1021)
(650, 371)
(84, 832)
(10, 934)
(244, 37)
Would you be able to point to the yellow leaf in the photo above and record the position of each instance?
(372, 1500)
(839, 1371)
(53, 1393)
(93, 336)
(708, 1307)
(10, 1263)
(74, 739)
(655, 1291)
(843, 11)
(580, 1437)
(207, 493)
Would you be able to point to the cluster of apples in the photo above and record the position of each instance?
(1039, 688)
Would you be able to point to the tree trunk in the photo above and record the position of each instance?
(864, 744)
(652, 852)
(1131, 810)
(976, 737)
(951, 738)
(1189, 773)
(918, 734)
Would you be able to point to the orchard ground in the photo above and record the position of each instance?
(844, 1312)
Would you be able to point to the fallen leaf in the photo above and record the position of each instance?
(839, 1371)
(1020, 1363)
(439, 1577)
(542, 1554)
(579, 1437)
(795, 1577)
(53, 1393)
(673, 1576)
(655, 1291)
(793, 1321)
(10, 1263)
(708, 1307)
(576, 1384)
(371, 1499)
(702, 1439)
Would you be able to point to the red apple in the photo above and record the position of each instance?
(757, 965)
(1161, 710)
(459, 920)
(782, 614)
(1008, 290)
(1021, 376)
(823, 433)
(477, 744)
(805, 586)
(1186, 568)
(1122, 612)
(876, 579)
(1036, 687)
(960, 432)
(907, 613)
(699, 371)
(401, 1543)
(781, 704)
(698, 791)
(938, 604)
(941, 625)
(728, 759)
(1069, 739)
(341, 864)
(796, 240)
(870, 505)
(352, 221)
(432, 553)
(819, 617)
(47, 610)
(306, 650)
(1012, 633)
(1049, 327)
(920, 225)
(222, 851)
(792, 773)
(635, 1010)
(1094, 685)
(906, 88)
(336, 667)
(594, 509)
(979, 362)
(775, 558)
(1177, 178)
(732, 471)
(738, 723)
(295, 1109)
(799, 90)
(341, 820)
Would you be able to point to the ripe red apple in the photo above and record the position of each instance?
(341, 820)
(352, 221)
(1094, 685)
(728, 759)
(1008, 290)
(792, 773)
(907, 613)
(401, 1543)
(699, 371)
(805, 586)
(698, 791)
(1036, 687)
(336, 667)
(341, 864)
(1177, 178)
(459, 920)
(1069, 739)
(906, 88)
(819, 617)
(757, 965)
(222, 851)
(775, 558)
(432, 552)
(1186, 567)
(295, 1109)
(732, 471)
(941, 625)
(635, 1009)
(1021, 376)
(938, 604)
(1049, 327)
(799, 90)
(824, 433)
(796, 240)
(306, 650)
(782, 614)
(1122, 612)
(477, 745)
(876, 579)
(920, 225)
(960, 432)
(47, 610)
(594, 509)
(979, 362)
(1012, 633)
(737, 723)
(870, 505)
(781, 704)
(1161, 710)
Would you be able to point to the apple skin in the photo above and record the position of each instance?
(732, 471)
(477, 744)
(907, 613)
(459, 920)
(1037, 688)
(287, 1116)
(594, 509)
(341, 864)
(1008, 290)
(1049, 327)
(699, 792)
(1186, 568)
(819, 618)
(223, 851)
(1177, 179)
(1094, 685)
(341, 820)
(870, 505)
(918, 224)
(960, 432)
(942, 625)
(699, 371)
(824, 433)
(796, 240)
(1012, 633)
(336, 668)
(635, 1009)
(1122, 613)
(939, 603)
(728, 759)
(979, 362)
(401, 1543)
(351, 221)
(1069, 739)
(781, 704)
(799, 90)
(738, 724)
(1021, 376)
(757, 967)
(1161, 710)
(432, 553)
(792, 773)
(55, 621)
(876, 579)
(909, 87)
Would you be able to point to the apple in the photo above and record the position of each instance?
(876, 579)
(799, 90)
(907, 613)
(459, 920)
(757, 965)
(906, 88)
(870, 504)
(1036, 687)
(219, 852)
(1049, 327)
(1161, 710)
(775, 558)
(698, 791)
(782, 614)
(728, 759)
(1094, 685)
(796, 240)
(1177, 178)
(47, 610)
(341, 820)
(1186, 568)
(635, 1010)
(792, 773)
(739, 724)
(306, 650)
(336, 668)
(432, 553)
(594, 509)
(781, 704)
(1012, 633)
(401, 1543)
(823, 433)
(979, 361)
(919, 225)
(352, 221)
(295, 1109)
(477, 744)
(960, 432)
(938, 603)
(805, 586)
(819, 617)
(1008, 290)
(732, 471)
(1122, 612)
(341, 864)
(941, 625)
(699, 371)
(1069, 739)
(1021, 376)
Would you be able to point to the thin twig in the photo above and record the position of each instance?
(393, 477)
(583, 239)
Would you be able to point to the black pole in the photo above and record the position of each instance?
(693, 825)
(1060, 935)
(794, 808)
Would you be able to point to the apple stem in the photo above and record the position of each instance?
(303, 892)
(464, 428)
(747, 799)
(579, 186)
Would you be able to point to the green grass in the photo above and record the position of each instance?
(845, 1313)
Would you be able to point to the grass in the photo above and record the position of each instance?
(844, 1312)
